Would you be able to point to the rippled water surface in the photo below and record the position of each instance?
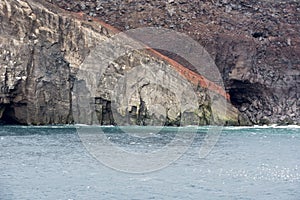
(246, 163)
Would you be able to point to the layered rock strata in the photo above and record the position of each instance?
(255, 44)
(44, 80)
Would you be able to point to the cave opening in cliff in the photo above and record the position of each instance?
(243, 92)
(8, 116)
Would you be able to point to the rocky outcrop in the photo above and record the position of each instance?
(39, 50)
(44, 53)
(256, 45)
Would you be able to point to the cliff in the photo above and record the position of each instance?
(255, 45)
(45, 78)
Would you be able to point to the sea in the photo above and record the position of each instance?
(89, 162)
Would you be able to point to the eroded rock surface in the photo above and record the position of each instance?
(39, 50)
(255, 44)
(43, 78)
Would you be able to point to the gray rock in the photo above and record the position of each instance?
(43, 79)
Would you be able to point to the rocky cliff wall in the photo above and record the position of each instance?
(43, 51)
(39, 49)
(255, 44)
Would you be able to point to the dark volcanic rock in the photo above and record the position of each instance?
(45, 77)
(255, 44)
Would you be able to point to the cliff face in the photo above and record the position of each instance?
(43, 55)
(36, 62)
(256, 45)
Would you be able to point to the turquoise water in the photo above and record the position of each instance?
(245, 163)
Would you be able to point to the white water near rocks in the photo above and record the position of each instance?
(246, 163)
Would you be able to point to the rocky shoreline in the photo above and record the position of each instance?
(255, 46)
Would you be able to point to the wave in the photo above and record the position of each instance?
(262, 127)
(40, 126)
(160, 127)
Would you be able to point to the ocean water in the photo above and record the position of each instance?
(244, 163)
